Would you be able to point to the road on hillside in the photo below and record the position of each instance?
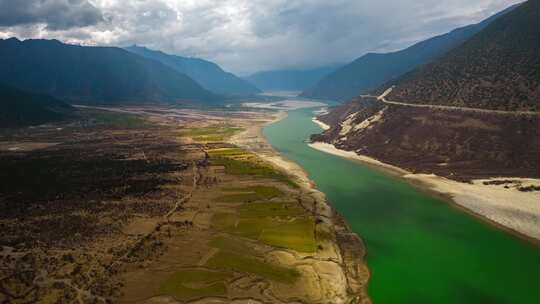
(382, 98)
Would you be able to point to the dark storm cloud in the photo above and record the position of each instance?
(247, 35)
(55, 14)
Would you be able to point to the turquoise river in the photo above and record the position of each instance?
(420, 249)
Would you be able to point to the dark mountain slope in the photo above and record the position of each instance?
(289, 80)
(499, 68)
(457, 144)
(18, 108)
(373, 70)
(92, 75)
(206, 73)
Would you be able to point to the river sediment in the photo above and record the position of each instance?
(352, 251)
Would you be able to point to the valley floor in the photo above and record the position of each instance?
(166, 205)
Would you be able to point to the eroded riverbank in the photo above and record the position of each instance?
(352, 249)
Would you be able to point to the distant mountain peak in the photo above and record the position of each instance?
(290, 79)
(495, 69)
(12, 39)
(102, 74)
(207, 73)
(372, 70)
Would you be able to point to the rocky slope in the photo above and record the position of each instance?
(499, 68)
(426, 124)
(373, 70)
(208, 74)
(458, 144)
(93, 75)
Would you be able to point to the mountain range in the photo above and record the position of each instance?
(93, 75)
(208, 74)
(426, 124)
(372, 70)
(498, 69)
(289, 80)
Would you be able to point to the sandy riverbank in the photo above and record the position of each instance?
(351, 248)
(284, 105)
(514, 210)
(321, 124)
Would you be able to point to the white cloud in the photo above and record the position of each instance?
(249, 35)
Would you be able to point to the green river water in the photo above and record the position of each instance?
(420, 249)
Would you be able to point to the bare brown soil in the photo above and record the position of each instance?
(64, 206)
(119, 209)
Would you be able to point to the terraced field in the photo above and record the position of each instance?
(210, 134)
(238, 162)
(251, 219)
(252, 234)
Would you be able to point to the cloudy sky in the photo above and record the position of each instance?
(245, 35)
